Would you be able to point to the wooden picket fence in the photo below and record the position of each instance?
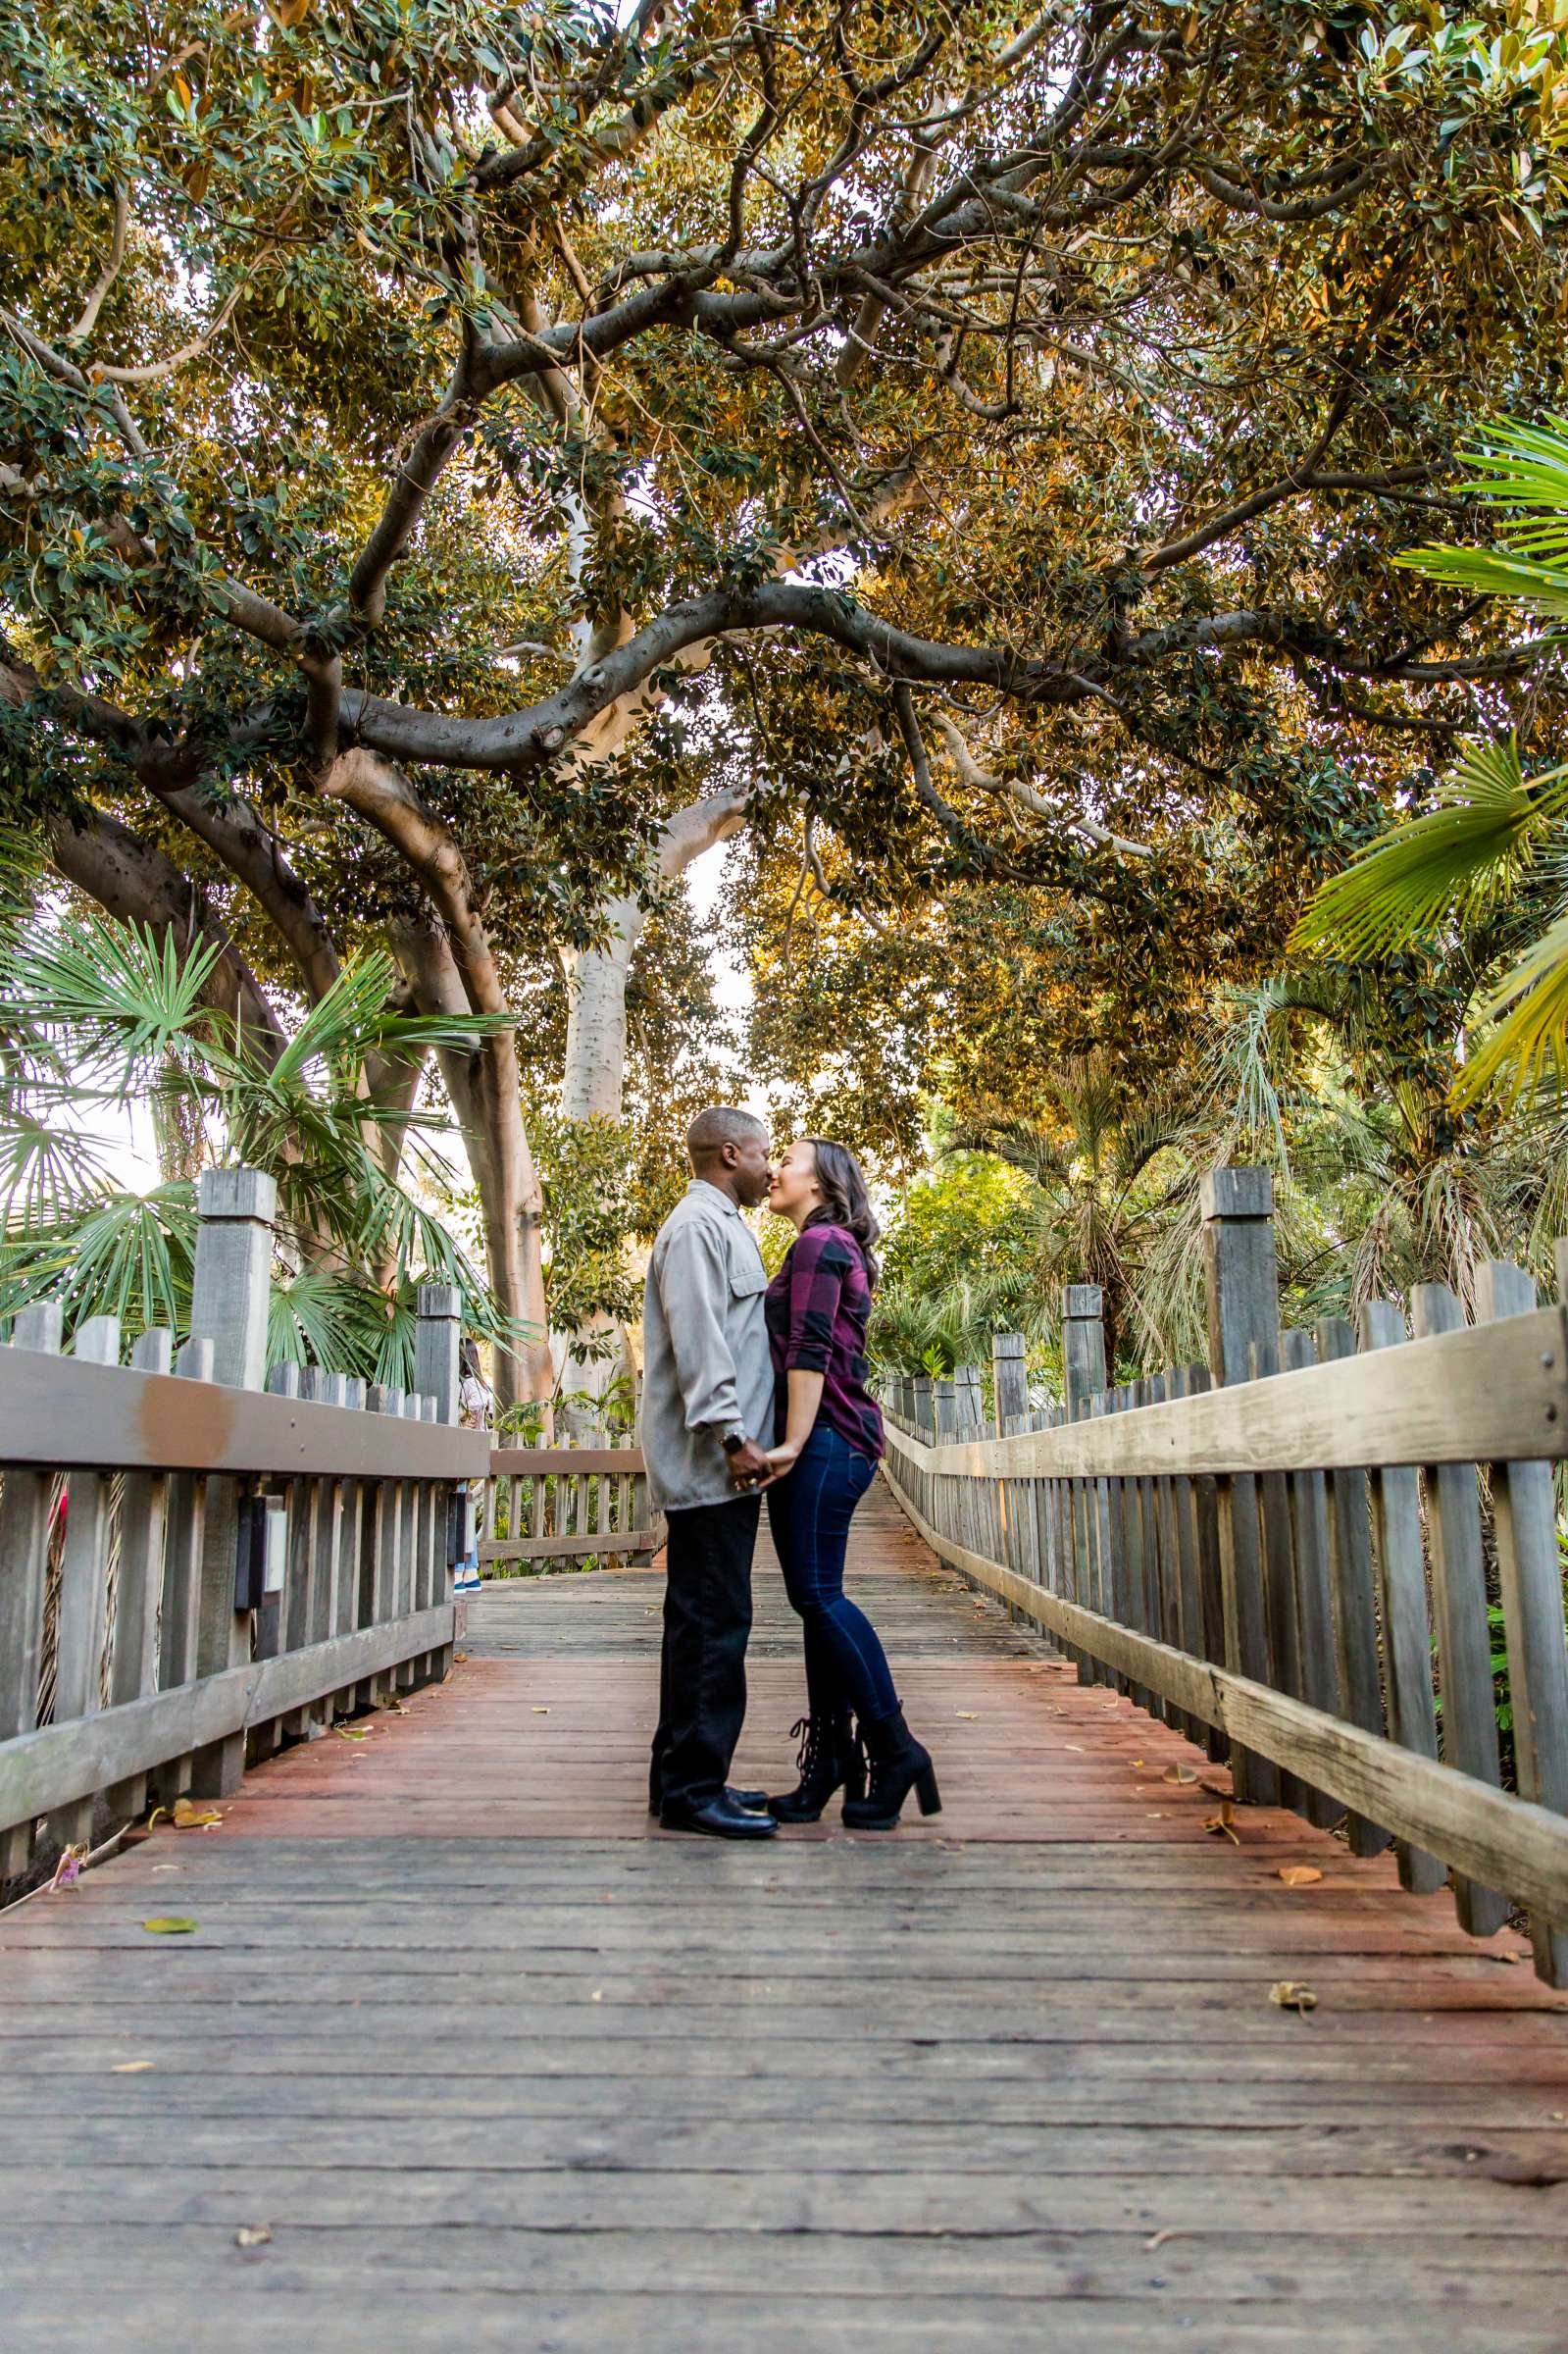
(1290, 1553)
(561, 1507)
(194, 1566)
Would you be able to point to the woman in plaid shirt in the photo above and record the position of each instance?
(830, 1443)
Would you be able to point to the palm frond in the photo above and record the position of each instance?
(127, 999)
(1542, 589)
(1523, 1041)
(1455, 862)
(355, 1019)
(1522, 470)
(325, 1316)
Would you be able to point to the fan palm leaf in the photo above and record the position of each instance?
(1455, 863)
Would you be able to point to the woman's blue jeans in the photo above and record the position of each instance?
(809, 1511)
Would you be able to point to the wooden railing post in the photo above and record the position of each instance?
(1244, 1307)
(1017, 1529)
(24, 1555)
(1083, 1381)
(1530, 1575)
(230, 1285)
(1010, 1375)
(437, 1369)
(83, 1587)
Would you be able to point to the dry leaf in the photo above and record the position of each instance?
(1508, 1961)
(1300, 1876)
(1076, 1746)
(350, 1733)
(541, 1712)
(1222, 1824)
(169, 1924)
(969, 1716)
(1160, 2238)
(597, 1996)
(252, 2236)
(1292, 1995)
(188, 1817)
(1182, 1774)
(1134, 1762)
(129, 2067)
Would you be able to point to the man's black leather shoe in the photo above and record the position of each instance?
(720, 1817)
(755, 1802)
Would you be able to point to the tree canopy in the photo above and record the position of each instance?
(439, 441)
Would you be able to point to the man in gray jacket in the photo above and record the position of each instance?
(707, 1418)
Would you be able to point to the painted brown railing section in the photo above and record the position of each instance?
(1297, 1567)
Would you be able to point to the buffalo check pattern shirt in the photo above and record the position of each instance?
(818, 1304)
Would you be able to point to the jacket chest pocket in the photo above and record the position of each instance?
(746, 1278)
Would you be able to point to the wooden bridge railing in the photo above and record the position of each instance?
(565, 1505)
(193, 1567)
(1296, 1566)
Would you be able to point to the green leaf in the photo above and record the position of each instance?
(1455, 862)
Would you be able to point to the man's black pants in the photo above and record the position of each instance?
(702, 1673)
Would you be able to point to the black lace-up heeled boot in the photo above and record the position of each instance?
(898, 1764)
(829, 1759)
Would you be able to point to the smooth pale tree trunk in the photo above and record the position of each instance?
(594, 1080)
(485, 1089)
(593, 1085)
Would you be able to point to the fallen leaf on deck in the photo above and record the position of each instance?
(1077, 1746)
(129, 2067)
(1300, 1876)
(541, 1712)
(252, 2236)
(1222, 1824)
(597, 1996)
(969, 1716)
(1179, 1773)
(347, 1733)
(1508, 1961)
(168, 1925)
(188, 1817)
(1160, 2238)
(1292, 1995)
(1134, 1762)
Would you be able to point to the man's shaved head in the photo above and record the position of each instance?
(722, 1125)
(728, 1148)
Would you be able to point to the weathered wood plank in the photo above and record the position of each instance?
(69, 1412)
(1492, 1393)
(536, 1461)
(550, 1548)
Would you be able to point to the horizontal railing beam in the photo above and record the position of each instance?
(549, 1549)
(523, 1462)
(42, 1770)
(68, 1412)
(1487, 1394)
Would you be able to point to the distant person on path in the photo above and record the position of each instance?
(476, 1409)
(829, 1442)
(707, 1407)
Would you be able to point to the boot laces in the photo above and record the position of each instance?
(807, 1730)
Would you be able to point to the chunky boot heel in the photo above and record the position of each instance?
(828, 1760)
(898, 1764)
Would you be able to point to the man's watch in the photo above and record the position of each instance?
(734, 1441)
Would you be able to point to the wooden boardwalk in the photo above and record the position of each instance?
(498, 2064)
